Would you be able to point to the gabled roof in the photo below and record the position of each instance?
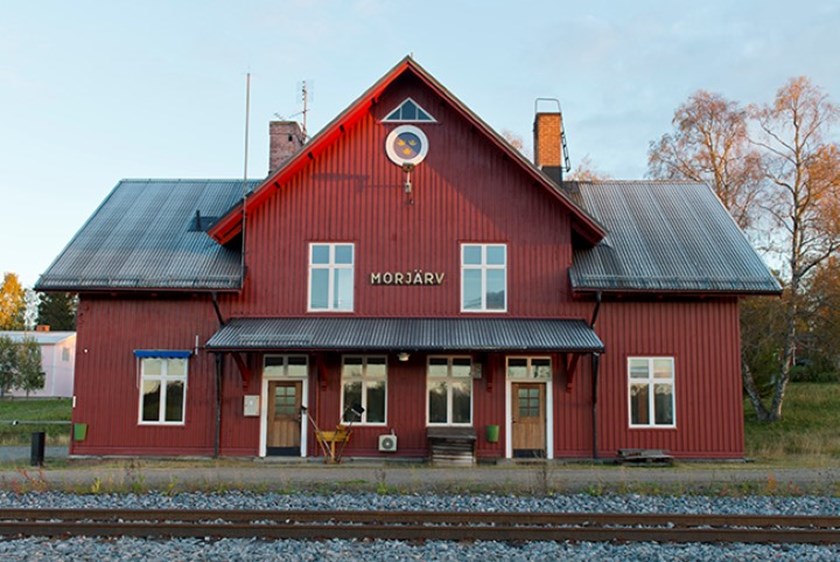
(230, 225)
(146, 236)
(665, 237)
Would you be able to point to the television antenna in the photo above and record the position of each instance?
(305, 89)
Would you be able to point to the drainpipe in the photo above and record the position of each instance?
(217, 435)
(596, 362)
(218, 426)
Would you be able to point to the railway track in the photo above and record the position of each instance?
(417, 525)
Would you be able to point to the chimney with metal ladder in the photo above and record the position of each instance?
(551, 155)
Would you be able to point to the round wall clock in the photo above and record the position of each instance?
(406, 144)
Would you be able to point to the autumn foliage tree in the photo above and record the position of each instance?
(822, 309)
(12, 303)
(710, 144)
(773, 167)
(585, 170)
(802, 169)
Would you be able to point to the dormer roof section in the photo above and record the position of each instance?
(230, 225)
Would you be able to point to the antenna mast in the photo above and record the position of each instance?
(304, 93)
(245, 170)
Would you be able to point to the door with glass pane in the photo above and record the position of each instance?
(528, 423)
(284, 418)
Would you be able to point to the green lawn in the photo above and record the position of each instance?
(809, 428)
(34, 409)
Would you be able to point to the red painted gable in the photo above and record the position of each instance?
(230, 225)
(465, 191)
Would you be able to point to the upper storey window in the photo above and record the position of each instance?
(409, 112)
(483, 278)
(331, 277)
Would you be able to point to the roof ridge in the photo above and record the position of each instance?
(638, 181)
(186, 180)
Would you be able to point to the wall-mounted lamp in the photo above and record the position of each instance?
(403, 356)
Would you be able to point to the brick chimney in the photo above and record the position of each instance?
(548, 144)
(285, 139)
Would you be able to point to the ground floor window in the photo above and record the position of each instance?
(163, 395)
(364, 385)
(449, 390)
(651, 391)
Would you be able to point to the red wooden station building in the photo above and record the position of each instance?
(408, 271)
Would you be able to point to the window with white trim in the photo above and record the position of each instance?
(364, 389)
(287, 366)
(651, 391)
(483, 277)
(449, 390)
(331, 277)
(529, 368)
(163, 390)
(409, 111)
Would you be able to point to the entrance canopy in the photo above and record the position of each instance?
(406, 334)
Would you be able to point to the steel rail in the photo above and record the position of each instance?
(497, 526)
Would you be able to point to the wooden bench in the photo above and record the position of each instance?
(452, 446)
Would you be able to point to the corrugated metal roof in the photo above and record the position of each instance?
(406, 334)
(43, 338)
(143, 236)
(665, 236)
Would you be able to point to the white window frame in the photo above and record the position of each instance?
(365, 379)
(331, 267)
(651, 381)
(449, 378)
(484, 267)
(416, 120)
(163, 379)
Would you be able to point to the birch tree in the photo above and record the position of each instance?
(710, 144)
(802, 169)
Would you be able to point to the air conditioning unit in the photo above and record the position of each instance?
(388, 443)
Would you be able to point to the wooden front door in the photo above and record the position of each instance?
(284, 419)
(528, 411)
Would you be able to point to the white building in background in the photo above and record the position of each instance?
(58, 358)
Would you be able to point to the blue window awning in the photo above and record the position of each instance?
(162, 353)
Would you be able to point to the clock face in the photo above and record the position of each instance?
(406, 144)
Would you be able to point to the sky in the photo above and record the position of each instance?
(93, 92)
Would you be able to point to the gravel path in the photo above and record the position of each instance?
(238, 549)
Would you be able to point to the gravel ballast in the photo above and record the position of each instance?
(240, 549)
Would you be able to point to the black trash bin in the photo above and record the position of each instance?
(39, 440)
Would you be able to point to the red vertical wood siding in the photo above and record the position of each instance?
(703, 338)
(107, 376)
(465, 191)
